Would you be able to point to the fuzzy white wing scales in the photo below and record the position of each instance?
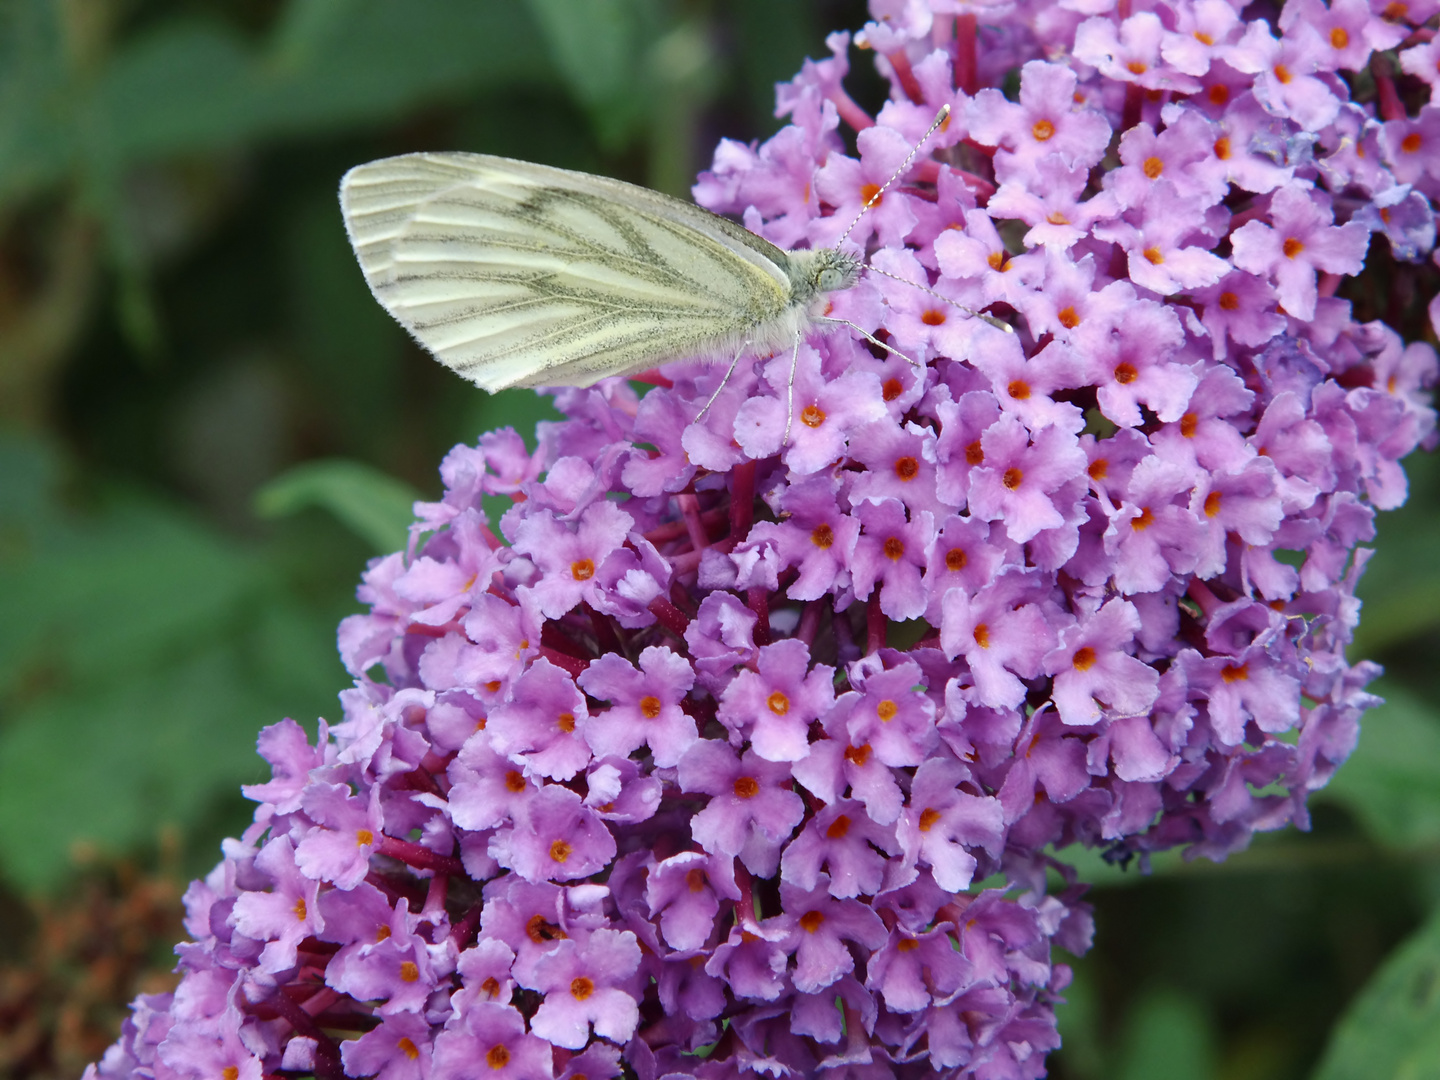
(516, 274)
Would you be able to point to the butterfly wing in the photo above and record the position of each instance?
(516, 274)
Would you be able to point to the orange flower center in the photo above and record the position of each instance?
(894, 548)
(886, 710)
(1043, 131)
(747, 787)
(906, 468)
(1013, 478)
(928, 817)
(955, 560)
(1125, 373)
(779, 704)
(811, 920)
(838, 828)
(582, 569)
(822, 536)
(581, 988)
(1212, 504)
(812, 416)
(560, 850)
(539, 931)
(931, 317)
(649, 706)
(497, 1057)
(1084, 658)
(1069, 317)
(1153, 167)
(1018, 389)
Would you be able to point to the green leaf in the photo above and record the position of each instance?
(1391, 1031)
(110, 764)
(123, 590)
(376, 507)
(594, 45)
(1391, 781)
(36, 145)
(1167, 1034)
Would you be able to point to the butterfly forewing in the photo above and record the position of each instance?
(516, 274)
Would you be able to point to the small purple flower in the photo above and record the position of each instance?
(645, 705)
(1093, 674)
(943, 822)
(891, 554)
(1300, 241)
(774, 706)
(491, 1041)
(844, 840)
(399, 1049)
(542, 727)
(284, 916)
(570, 561)
(822, 926)
(685, 892)
(752, 809)
(347, 831)
(555, 838)
(583, 987)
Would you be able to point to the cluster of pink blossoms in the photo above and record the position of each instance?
(742, 754)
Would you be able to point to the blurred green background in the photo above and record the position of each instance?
(207, 426)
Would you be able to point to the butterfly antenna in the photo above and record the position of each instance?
(991, 319)
(940, 118)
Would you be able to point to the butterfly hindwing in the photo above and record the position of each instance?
(516, 274)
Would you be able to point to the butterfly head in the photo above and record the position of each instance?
(820, 271)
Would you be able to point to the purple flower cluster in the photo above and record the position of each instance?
(745, 754)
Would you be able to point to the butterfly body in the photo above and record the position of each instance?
(517, 274)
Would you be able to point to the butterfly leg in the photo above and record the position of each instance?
(728, 372)
(790, 392)
(874, 341)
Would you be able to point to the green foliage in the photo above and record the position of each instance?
(140, 652)
(375, 507)
(1391, 783)
(1392, 1030)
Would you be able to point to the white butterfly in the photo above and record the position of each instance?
(516, 274)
